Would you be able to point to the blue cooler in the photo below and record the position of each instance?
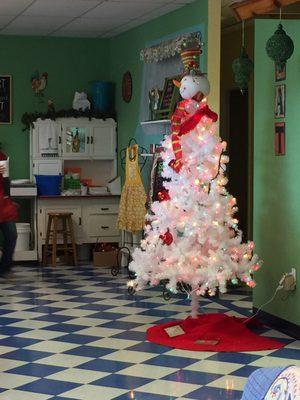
(48, 185)
(103, 96)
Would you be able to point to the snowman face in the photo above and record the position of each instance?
(190, 85)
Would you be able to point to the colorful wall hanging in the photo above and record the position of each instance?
(279, 138)
(280, 101)
(280, 72)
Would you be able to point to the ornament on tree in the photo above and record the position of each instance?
(167, 238)
(193, 238)
(163, 195)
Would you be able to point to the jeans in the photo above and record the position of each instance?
(9, 231)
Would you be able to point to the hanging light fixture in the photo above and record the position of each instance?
(280, 46)
(242, 66)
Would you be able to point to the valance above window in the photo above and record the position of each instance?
(169, 48)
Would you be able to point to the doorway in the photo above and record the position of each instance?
(238, 148)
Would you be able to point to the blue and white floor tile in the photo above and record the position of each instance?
(76, 334)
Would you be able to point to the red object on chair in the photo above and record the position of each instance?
(212, 332)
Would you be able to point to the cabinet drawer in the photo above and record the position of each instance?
(102, 225)
(103, 209)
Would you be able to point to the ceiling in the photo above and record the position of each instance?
(88, 18)
(80, 18)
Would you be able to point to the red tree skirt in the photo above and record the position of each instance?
(212, 332)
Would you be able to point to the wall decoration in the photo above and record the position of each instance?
(279, 101)
(169, 98)
(5, 99)
(279, 138)
(169, 48)
(127, 87)
(39, 82)
(81, 102)
(280, 72)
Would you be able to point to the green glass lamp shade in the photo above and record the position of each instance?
(242, 68)
(280, 46)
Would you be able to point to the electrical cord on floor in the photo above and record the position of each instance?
(279, 287)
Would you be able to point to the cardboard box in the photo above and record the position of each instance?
(105, 258)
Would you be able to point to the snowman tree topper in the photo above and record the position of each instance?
(193, 88)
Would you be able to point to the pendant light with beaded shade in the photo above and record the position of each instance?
(242, 66)
(280, 46)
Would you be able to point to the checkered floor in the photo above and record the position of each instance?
(76, 334)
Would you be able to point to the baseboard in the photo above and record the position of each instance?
(279, 324)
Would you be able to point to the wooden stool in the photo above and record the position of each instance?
(67, 232)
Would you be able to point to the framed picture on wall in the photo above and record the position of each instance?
(279, 138)
(279, 101)
(5, 99)
(280, 72)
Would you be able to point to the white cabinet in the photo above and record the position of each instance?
(74, 138)
(94, 219)
(45, 141)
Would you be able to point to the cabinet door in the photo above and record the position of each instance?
(45, 139)
(103, 140)
(75, 141)
(76, 218)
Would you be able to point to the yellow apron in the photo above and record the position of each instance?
(133, 198)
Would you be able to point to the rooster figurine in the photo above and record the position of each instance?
(38, 83)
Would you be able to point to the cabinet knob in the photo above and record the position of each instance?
(104, 208)
(92, 139)
(105, 227)
(87, 139)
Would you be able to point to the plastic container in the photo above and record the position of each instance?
(103, 96)
(71, 183)
(23, 241)
(48, 185)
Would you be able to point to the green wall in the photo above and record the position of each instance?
(124, 55)
(71, 64)
(276, 179)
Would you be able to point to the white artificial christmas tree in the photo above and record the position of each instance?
(191, 234)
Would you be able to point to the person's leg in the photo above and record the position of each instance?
(9, 231)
